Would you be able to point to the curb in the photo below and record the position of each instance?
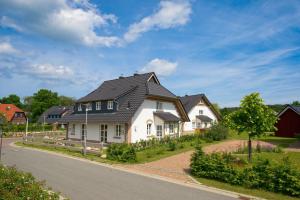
(195, 185)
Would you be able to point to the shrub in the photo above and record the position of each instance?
(216, 133)
(281, 178)
(20, 185)
(171, 145)
(121, 152)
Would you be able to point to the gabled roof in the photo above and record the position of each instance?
(9, 110)
(167, 116)
(296, 109)
(55, 110)
(129, 93)
(190, 101)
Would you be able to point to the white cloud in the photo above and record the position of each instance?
(76, 21)
(48, 71)
(170, 14)
(160, 67)
(7, 48)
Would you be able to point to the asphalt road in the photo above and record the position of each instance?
(76, 179)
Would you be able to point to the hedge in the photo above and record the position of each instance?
(280, 178)
(16, 185)
(121, 152)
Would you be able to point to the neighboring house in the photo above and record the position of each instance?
(127, 109)
(54, 115)
(13, 114)
(288, 123)
(200, 111)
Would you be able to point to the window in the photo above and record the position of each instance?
(110, 105)
(159, 131)
(79, 107)
(73, 129)
(118, 130)
(201, 101)
(159, 106)
(98, 105)
(200, 112)
(149, 129)
(89, 106)
(171, 128)
(193, 124)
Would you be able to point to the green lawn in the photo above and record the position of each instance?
(252, 192)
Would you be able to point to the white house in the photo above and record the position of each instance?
(201, 112)
(127, 109)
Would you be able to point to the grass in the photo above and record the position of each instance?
(239, 189)
(63, 150)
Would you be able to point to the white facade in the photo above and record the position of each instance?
(200, 109)
(143, 116)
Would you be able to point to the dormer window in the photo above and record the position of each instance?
(79, 107)
(98, 105)
(89, 106)
(110, 105)
(159, 106)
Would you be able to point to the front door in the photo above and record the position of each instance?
(103, 133)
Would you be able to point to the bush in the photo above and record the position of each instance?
(20, 185)
(216, 133)
(121, 152)
(280, 178)
(171, 145)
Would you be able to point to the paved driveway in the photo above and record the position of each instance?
(84, 180)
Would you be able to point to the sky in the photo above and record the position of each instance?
(224, 49)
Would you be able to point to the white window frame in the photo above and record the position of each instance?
(159, 106)
(118, 130)
(171, 126)
(193, 124)
(200, 112)
(110, 105)
(79, 107)
(159, 131)
(98, 105)
(149, 126)
(89, 106)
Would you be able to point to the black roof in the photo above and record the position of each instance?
(55, 110)
(167, 116)
(189, 101)
(204, 118)
(294, 108)
(124, 91)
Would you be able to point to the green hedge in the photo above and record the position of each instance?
(216, 133)
(16, 185)
(22, 127)
(121, 152)
(280, 178)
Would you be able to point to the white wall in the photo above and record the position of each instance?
(145, 114)
(188, 126)
(93, 132)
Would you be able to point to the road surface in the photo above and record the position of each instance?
(80, 180)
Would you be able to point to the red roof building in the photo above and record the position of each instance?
(13, 114)
(288, 124)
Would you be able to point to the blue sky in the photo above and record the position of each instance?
(225, 49)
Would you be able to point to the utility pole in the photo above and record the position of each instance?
(26, 131)
(85, 131)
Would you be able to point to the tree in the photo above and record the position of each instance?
(12, 99)
(216, 107)
(296, 103)
(66, 101)
(253, 117)
(41, 101)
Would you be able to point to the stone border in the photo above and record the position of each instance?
(195, 185)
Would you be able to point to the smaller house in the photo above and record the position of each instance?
(288, 124)
(13, 114)
(201, 112)
(54, 115)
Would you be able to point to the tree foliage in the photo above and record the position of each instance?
(12, 99)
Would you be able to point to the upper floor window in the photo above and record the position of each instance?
(79, 107)
(118, 130)
(88, 106)
(98, 105)
(110, 105)
(201, 101)
(159, 106)
(200, 112)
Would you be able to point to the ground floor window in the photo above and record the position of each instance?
(73, 129)
(149, 129)
(171, 128)
(159, 130)
(118, 130)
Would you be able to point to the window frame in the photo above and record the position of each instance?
(79, 108)
(200, 112)
(98, 105)
(159, 130)
(159, 106)
(73, 129)
(173, 127)
(110, 105)
(149, 127)
(118, 130)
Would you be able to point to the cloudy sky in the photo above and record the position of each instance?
(225, 49)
